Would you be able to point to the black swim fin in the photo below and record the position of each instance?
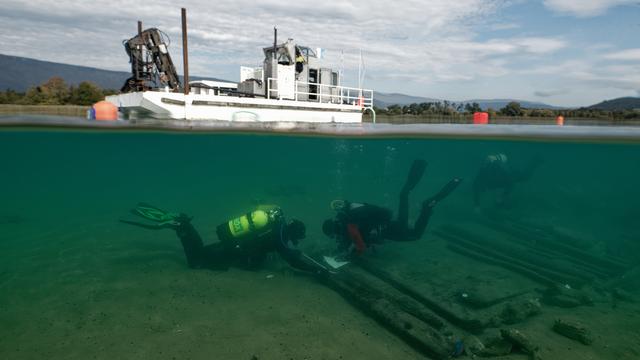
(153, 213)
(415, 174)
(157, 218)
(154, 226)
(443, 193)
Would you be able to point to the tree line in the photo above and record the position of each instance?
(55, 91)
(514, 109)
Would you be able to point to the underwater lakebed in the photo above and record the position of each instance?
(546, 266)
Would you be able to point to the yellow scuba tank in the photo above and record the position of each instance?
(245, 224)
(252, 223)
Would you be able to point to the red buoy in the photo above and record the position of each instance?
(480, 118)
(105, 111)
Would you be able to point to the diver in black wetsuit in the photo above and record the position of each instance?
(244, 241)
(358, 226)
(496, 173)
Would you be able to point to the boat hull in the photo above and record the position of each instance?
(167, 105)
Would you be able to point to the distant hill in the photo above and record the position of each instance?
(498, 104)
(19, 74)
(623, 103)
(383, 100)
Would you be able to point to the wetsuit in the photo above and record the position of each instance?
(362, 225)
(496, 174)
(247, 253)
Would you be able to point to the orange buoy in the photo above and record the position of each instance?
(480, 118)
(105, 111)
(560, 120)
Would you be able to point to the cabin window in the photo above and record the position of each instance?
(313, 79)
(307, 52)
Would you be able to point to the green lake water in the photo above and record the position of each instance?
(76, 283)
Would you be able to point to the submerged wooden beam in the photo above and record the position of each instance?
(411, 329)
(614, 266)
(523, 251)
(477, 247)
(472, 325)
(517, 269)
(373, 288)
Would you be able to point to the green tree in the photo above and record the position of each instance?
(472, 107)
(34, 96)
(541, 113)
(85, 94)
(55, 91)
(10, 97)
(394, 109)
(107, 92)
(425, 108)
(512, 109)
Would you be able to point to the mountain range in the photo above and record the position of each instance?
(623, 103)
(383, 100)
(20, 73)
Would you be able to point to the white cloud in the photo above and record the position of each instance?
(504, 26)
(410, 45)
(592, 74)
(584, 8)
(436, 39)
(624, 55)
(539, 45)
(239, 27)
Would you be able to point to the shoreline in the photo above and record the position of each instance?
(80, 111)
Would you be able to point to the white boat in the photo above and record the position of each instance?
(293, 85)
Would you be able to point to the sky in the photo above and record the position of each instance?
(560, 52)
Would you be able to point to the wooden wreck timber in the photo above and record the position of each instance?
(385, 309)
(371, 287)
(521, 342)
(538, 256)
(479, 301)
(514, 266)
(573, 330)
(431, 316)
(472, 325)
(551, 241)
(526, 252)
(499, 250)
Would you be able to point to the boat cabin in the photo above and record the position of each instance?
(293, 72)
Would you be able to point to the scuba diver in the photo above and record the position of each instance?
(496, 173)
(244, 241)
(358, 226)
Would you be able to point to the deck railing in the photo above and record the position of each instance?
(321, 93)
